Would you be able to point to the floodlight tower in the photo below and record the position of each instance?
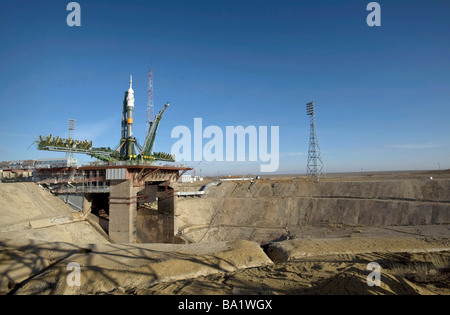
(314, 167)
(71, 123)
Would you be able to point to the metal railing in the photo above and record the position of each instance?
(129, 163)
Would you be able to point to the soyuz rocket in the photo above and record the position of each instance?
(130, 109)
(127, 142)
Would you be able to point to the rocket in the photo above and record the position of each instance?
(127, 150)
(130, 109)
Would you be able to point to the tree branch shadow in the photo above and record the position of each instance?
(104, 268)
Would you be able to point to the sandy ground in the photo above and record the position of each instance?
(403, 273)
(29, 212)
(331, 259)
(25, 202)
(410, 264)
(269, 209)
(413, 260)
(37, 267)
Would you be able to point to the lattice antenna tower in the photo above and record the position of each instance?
(71, 124)
(314, 167)
(150, 107)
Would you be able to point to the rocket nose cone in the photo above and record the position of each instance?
(131, 85)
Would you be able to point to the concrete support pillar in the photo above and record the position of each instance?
(166, 209)
(87, 203)
(122, 211)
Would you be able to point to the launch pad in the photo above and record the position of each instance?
(128, 148)
(118, 189)
(123, 178)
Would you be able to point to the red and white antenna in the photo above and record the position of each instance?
(150, 109)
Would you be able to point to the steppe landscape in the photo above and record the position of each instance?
(279, 235)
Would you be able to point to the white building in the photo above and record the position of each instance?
(56, 163)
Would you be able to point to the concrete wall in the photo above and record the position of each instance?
(269, 209)
(151, 191)
(154, 227)
(157, 225)
(122, 211)
(76, 201)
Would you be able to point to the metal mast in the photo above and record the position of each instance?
(150, 108)
(314, 167)
(71, 123)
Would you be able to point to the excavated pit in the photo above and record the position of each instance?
(317, 239)
(269, 210)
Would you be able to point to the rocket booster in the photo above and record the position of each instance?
(127, 141)
(130, 109)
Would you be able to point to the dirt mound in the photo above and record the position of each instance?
(354, 282)
(298, 248)
(400, 274)
(119, 268)
(29, 212)
(24, 202)
(21, 259)
(219, 268)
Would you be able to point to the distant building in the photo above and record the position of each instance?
(56, 163)
(186, 179)
(31, 165)
(189, 179)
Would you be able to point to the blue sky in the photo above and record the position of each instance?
(382, 94)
